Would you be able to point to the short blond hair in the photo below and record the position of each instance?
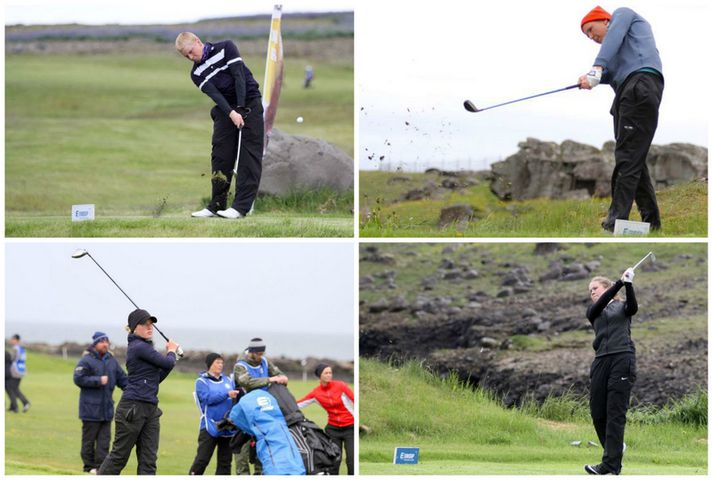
(185, 40)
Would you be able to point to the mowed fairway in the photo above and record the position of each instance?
(130, 133)
(47, 439)
(461, 431)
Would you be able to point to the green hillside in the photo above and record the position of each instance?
(461, 431)
(129, 132)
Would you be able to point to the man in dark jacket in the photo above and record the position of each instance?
(137, 415)
(96, 374)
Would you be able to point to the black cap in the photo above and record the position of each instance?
(210, 358)
(320, 368)
(138, 317)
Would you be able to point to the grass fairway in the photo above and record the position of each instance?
(131, 134)
(684, 212)
(269, 225)
(51, 430)
(461, 431)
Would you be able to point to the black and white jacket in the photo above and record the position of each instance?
(223, 76)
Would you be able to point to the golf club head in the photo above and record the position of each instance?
(79, 253)
(470, 106)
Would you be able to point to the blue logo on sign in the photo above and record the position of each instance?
(406, 455)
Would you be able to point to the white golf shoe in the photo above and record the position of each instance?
(205, 213)
(230, 213)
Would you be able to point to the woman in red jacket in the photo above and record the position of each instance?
(338, 400)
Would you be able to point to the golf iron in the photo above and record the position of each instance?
(473, 109)
(244, 113)
(82, 253)
(650, 254)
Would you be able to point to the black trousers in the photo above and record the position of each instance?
(95, 443)
(137, 424)
(612, 377)
(636, 116)
(12, 387)
(206, 447)
(344, 437)
(225, 149)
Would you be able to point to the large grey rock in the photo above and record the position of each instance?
(576, 170)
(294, 163)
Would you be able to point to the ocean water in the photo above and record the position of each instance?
(289, 344)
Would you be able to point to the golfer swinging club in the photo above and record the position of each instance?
(137, 415)
(219, 72)
(613, 371)
(628, 61)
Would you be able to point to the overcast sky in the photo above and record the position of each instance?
(258, 287)
(429, 60)
(141, 12)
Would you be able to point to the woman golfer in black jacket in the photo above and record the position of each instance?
(613, 371)
(137, 415)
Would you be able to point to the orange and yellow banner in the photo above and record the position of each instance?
(273, 73)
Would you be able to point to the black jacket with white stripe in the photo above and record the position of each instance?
(223, 76)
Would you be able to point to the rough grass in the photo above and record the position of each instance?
(131, 134)
(464, 431)
(684, 212)
(51, 430)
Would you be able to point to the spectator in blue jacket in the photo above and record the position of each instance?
(137, 415)
(214, 394)
(96, 374)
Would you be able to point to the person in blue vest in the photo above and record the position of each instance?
(252, 371)
(96, 374)
(18, 369)
(214, 394)
(259, 414)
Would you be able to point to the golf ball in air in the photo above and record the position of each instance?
(300, 119)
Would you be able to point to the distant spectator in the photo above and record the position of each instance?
(309, 75)
(338, 400)
(18, 369)
(96, 374)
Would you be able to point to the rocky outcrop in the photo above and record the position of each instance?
(576, 170)
(527, 335)
(293, 163)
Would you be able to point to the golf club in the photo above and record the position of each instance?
(82, 253)
(650, 254)
(472, 108)
(244, 113)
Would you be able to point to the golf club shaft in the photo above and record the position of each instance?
(642, 260)
(528, 98)
(179, 351)
(237, 157)
(117, 285)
